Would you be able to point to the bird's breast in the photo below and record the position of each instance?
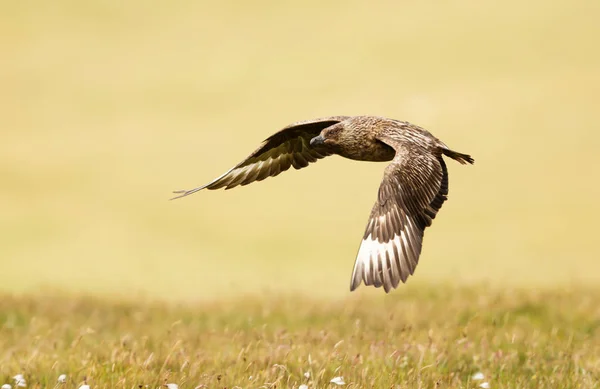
(374, 151)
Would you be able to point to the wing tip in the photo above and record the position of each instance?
(356, 275)
(183, 193)
(359, 278)
(179, 193)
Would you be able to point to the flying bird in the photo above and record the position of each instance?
(413, 189)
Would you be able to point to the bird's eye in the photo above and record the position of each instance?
(332, 132)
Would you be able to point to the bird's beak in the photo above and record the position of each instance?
(317, 141)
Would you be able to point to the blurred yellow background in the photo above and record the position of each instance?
(106, 107)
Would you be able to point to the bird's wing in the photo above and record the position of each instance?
(414, 187)
(288, 147)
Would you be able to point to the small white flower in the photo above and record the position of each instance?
(303, 386)
(338, 381)
(484, 385)
(62, 378)
(172, 386)
(478, 376)
(20, 380)
(6, 386)
(85, 386)
(307, 374)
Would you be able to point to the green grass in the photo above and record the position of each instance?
(433, 337)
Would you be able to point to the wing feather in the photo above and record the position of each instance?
(282, 150)
(413, 189)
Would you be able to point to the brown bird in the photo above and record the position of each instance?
(414, 186)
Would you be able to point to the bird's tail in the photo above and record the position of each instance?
(462, 158)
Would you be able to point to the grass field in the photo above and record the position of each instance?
(439, 337)
(106, 107)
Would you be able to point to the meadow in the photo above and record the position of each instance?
(439, 337)
(107, 107)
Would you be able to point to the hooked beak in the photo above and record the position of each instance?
(317, 141)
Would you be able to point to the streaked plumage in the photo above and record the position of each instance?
(413, 189)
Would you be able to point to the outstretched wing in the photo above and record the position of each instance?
(414, 187)
(288, 147)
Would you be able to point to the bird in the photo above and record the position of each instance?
(413, 189)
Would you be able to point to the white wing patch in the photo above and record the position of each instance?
(386, 263)
(382, 263)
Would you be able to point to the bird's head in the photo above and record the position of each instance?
(329, 137)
